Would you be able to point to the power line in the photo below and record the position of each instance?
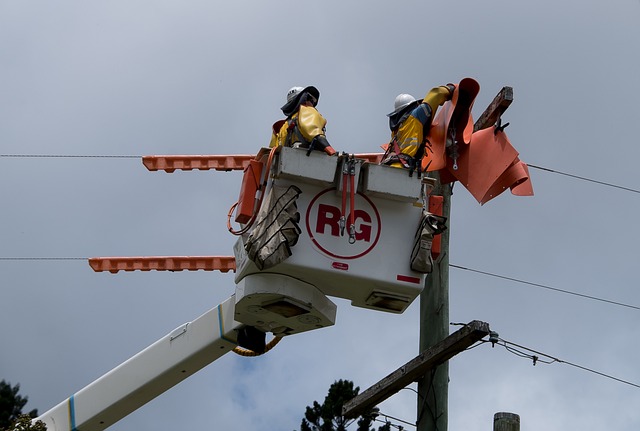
(477, 271)
(555, 289)
(535, 357)
(44, 258)
(584, 178)
(70, 156)
(395, 419)
(137, 157)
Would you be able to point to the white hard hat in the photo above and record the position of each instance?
(293, 92)
(293, 98)
(402, 101)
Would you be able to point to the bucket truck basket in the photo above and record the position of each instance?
(356, 226)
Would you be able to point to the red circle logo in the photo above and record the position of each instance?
(323, 221)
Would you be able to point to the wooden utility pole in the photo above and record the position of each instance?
(503, 421)
(433, 388)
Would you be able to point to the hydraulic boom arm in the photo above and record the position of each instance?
(148, 374)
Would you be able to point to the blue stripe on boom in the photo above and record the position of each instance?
(72, 413)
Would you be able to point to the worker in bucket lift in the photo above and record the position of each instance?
(304, 127)
(410, 122)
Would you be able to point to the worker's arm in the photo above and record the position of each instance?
(310, 123)
(311, 126)
(438, 95)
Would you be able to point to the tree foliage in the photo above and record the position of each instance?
(11, 405)
(25, 423)
(328, 415)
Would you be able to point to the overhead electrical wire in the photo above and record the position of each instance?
(395, 419)
(88, 156)
(70, 156)
(477, 271)
(542, 286)
(537, 356)
(584, 178)
(44, 258)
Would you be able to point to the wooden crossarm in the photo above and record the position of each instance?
(416, 368)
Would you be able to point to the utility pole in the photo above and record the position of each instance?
(503, 421)
(433, 388)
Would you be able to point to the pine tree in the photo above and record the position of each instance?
(11, 404)
(328, 415)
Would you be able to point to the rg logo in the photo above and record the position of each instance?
(323, 225)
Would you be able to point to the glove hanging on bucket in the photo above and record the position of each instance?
(276, 229)
(430, 225)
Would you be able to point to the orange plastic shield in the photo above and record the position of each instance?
(453, 122)
(490, 165)
(248, 189)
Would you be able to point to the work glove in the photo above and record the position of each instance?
(451, 88)
(320, 143)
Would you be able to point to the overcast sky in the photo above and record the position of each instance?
(203, 77)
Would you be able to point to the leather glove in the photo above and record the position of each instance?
(451, 88)
(320, 143)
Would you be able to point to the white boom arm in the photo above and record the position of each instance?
(148, 374)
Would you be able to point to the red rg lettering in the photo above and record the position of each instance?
(363, 231)
(328, 215)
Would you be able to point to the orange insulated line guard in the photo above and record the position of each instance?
(163, 263)
(232, 162)
(187, 163)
